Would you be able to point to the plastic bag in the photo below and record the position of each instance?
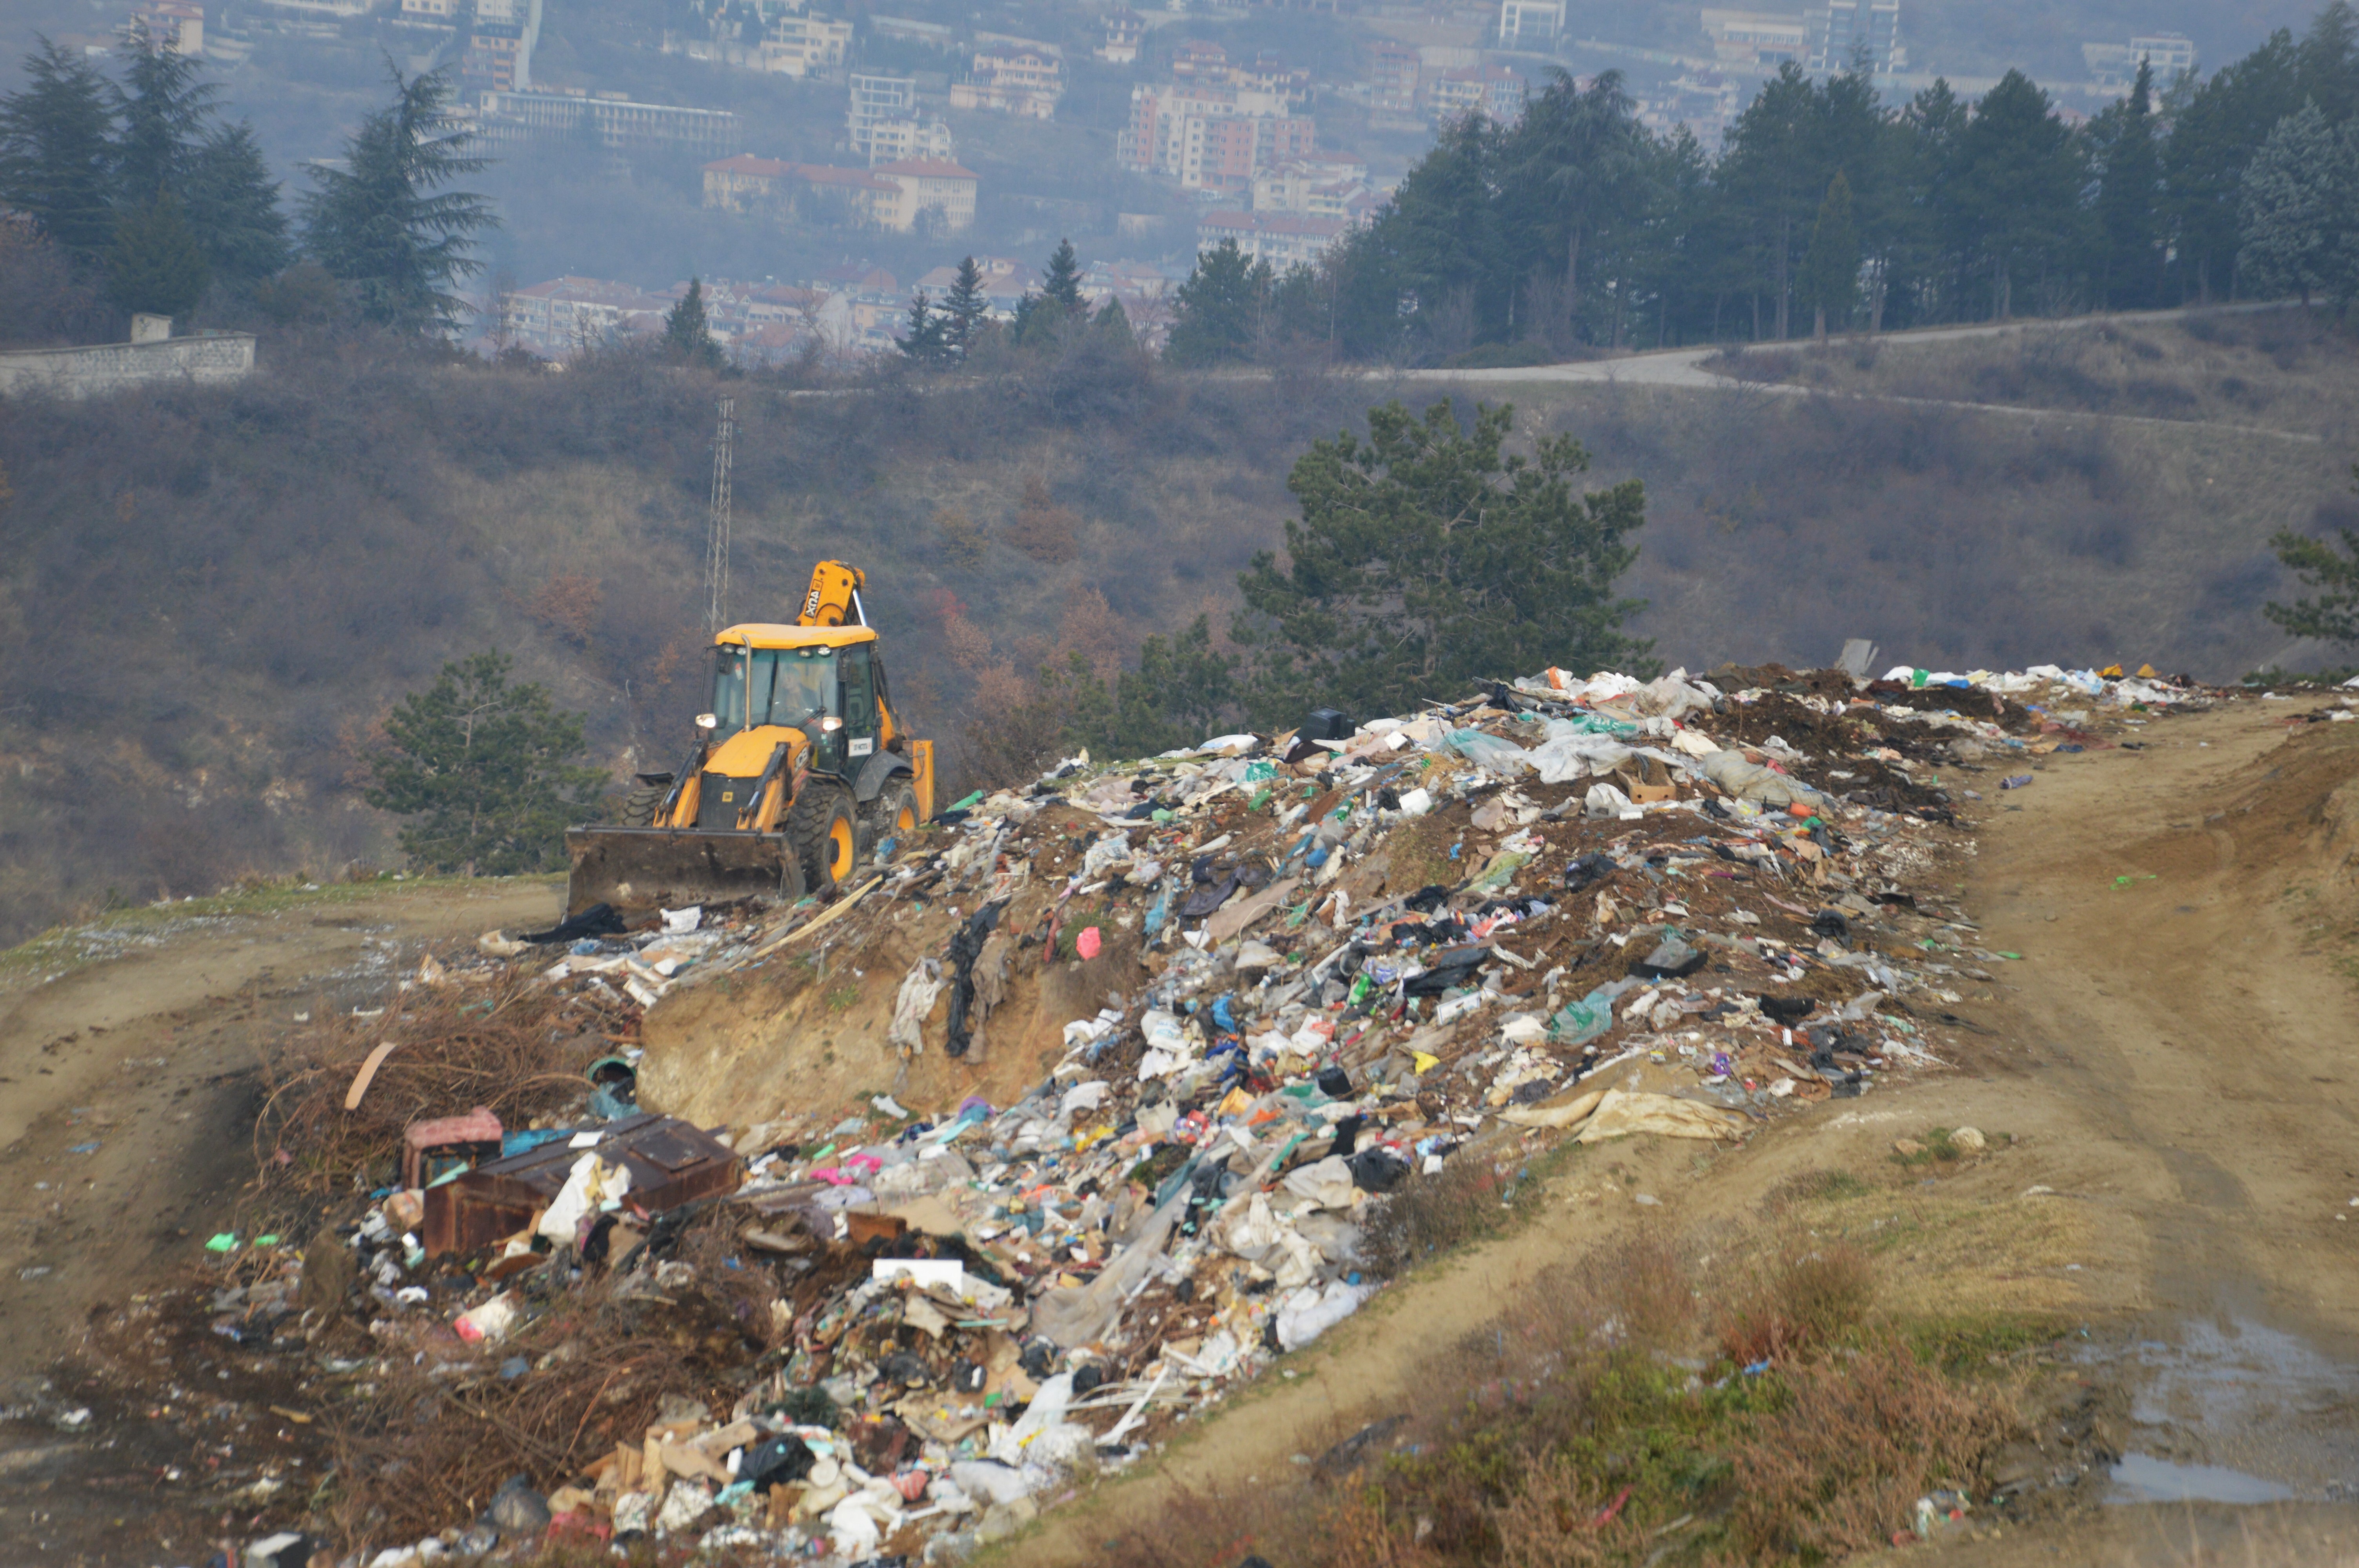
(1489, 753)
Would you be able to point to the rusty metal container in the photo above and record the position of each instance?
(671, 1163)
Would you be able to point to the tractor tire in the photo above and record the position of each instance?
(639, 805)
(892, 815)
(825, 835)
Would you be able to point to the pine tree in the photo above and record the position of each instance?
(165, 114)
(155, 263)
(1061, 282)
(2290, 223)
(484, 771)
(1427, 557)
(926, 341)
(1114, 321)
(2014, 206)
(1217, 310)
(963, 309)
(384, 225)
(687, 332)
(2128, 196)
(2335, 614)
(1831, 269)
(234, 208)
(57, 154)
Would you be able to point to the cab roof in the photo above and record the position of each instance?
(766, 635)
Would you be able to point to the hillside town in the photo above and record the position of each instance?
(906, 137)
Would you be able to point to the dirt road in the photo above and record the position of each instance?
(2176, 1056)
(129, 1060)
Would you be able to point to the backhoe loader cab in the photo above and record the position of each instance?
(799, 768)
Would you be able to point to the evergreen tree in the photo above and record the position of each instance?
(1831, 269)
(2221, 125)
(1217, 312)
(233, 205)
(963, 309)
(2129, 189)
(484, 771)
(1426, 558)
(2015, 201)
(2295, 217)
(165, 114)
(1773, 176)
(57, 153)
(1060, 283)
(927, 339)
(688, 335)
(2335, 614)
(383, 223)
(2327, 63)
(1572, 170)
(156, 263)
(1114, 321)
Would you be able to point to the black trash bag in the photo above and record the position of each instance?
(598, 920)
(1789, 1011)
(965, 948)
(908, 1370)
(1347, 1135)
(1450, 966)
(1087, 1376)
(1038, 1358)
(1377, 1170)
(775, 1461)
(1833, 923)
(969, 1377)
(1427, 899)
(1587, 870)
(1208, 898)
(1335, 1083)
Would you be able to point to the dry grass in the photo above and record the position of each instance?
(505, 1043)
(1601, 1421)
(2282, 369)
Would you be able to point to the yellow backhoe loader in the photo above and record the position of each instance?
(799, 768)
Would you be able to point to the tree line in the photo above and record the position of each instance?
(1828, 208)
(156, 201)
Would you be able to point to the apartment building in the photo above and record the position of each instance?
(1393, 73)
(618, 121)
(1211, 138)
(1756, 37)
(1123, 31)
(1491, 91)
(1530, 24)
(1024, 82)
(1868, 30)
(1281, 239)
(924, 186)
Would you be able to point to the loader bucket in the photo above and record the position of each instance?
(638, 869)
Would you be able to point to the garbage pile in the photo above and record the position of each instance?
(1561, 909)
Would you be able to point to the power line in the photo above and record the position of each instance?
(716, 544)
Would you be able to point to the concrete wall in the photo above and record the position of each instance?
(110, 367)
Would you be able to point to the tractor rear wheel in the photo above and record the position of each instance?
(639, 805)
(825, 835)
(892, 815)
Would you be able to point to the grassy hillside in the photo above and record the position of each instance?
(208, 597)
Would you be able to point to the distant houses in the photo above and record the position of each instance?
(901, 195)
